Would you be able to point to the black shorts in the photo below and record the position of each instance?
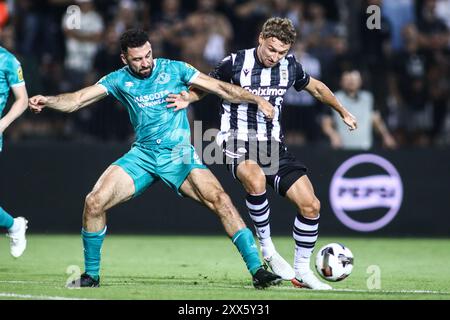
(280, 167)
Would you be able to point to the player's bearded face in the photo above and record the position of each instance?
(271, 50)
(140, 59)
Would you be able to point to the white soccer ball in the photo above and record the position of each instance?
(334, 262)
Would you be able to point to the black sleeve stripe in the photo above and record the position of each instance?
(302, 78)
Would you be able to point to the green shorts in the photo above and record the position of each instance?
(169, 164)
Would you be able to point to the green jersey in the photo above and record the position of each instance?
(145, 99)
(10, 76)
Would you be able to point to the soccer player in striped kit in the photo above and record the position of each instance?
(11, 77)
(253, 145)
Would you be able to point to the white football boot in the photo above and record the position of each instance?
(16, 234)
(309, 280)
(280, 266)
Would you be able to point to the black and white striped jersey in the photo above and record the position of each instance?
(243, 68)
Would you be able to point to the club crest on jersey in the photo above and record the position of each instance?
(163, 78)
(129, 84)
(246, 71)
(20, 74)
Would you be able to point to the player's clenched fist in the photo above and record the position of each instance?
(37, 103)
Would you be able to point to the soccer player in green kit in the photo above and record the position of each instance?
(162, 150)
(11, 77)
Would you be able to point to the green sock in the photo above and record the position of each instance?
(92, 243)
(5, 219)
(244, 241)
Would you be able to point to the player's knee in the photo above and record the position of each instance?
(254, 183)
(256, 186)
(219, 199)
(311, 209)
(93, 204)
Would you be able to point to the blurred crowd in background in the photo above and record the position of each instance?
(403, 67)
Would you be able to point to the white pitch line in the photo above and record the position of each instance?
(367, 291)
(24, 281)
(394, 291)
(375, 291)
(34, 297)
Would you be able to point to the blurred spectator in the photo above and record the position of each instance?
(399, 13)
(409, 90)
(107, 58)
(37, 29)
(443, 11)
(406, 64)
(250, 16)
(7, 38)
(4, 13)
(433, 32)
(301, 108)
(126, 16)
(288, 9)
(376, 51)
(109, 118)
(438, 81)
(82, 42)
(169, 24)
(206, 36)
(360, 104)
(343, 60)
(29, 25)
(317, 33)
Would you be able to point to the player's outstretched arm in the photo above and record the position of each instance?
(322, 93)
(18, 107)
(232, 93)
(68, 102)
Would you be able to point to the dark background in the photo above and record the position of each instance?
(47, 183)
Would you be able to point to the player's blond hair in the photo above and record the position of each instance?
(280, 28)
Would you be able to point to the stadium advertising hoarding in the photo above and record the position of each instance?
(388, 193)
(363, 193)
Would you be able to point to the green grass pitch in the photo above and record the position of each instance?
(209, 267)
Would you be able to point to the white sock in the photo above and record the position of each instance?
(302, 264)
(267, 247)
(15, 227)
